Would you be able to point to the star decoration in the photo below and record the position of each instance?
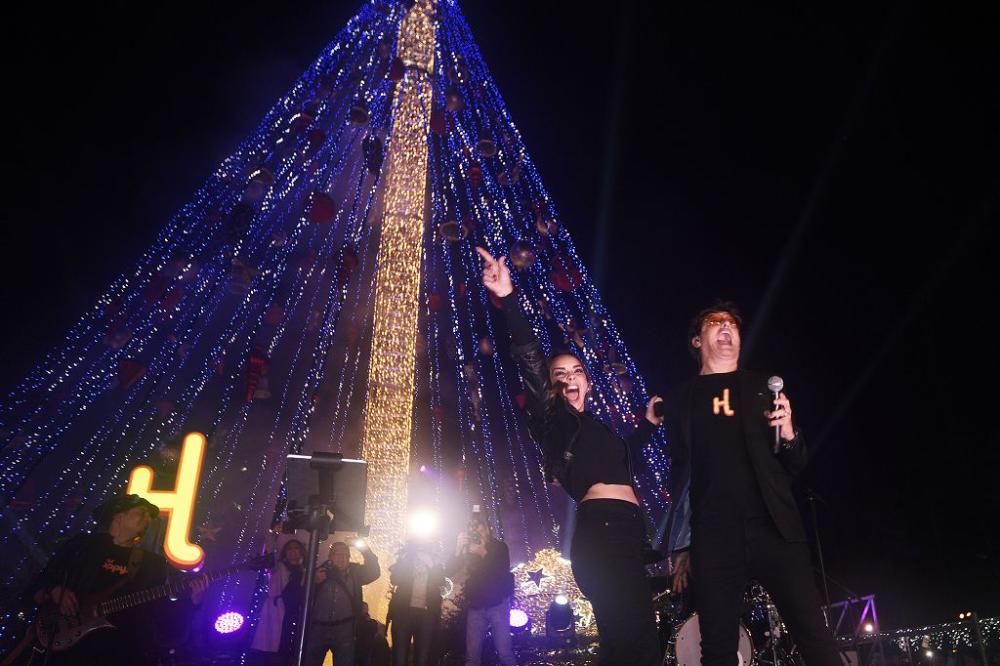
(207, 532)
(537, 576)
(530, 595)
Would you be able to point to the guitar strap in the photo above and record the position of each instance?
(134, 560)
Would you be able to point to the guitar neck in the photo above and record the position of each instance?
(133, 599)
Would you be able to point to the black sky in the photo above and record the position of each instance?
(860, 140)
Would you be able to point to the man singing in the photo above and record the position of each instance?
(734, 516)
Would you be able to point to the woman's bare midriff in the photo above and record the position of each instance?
(616, 491)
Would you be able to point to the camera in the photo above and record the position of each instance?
(658, 408)
(473, 528)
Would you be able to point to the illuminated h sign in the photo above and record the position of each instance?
(177, 504)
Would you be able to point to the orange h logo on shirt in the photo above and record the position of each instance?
(722, 405)
(177, 504)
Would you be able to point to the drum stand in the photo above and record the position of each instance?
(776, 629)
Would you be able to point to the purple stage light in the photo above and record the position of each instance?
(229, 622)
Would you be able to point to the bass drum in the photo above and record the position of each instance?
(687, 645)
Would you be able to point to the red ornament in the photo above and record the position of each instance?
(326, 84)
(469, 222)
(521, 400)
(439, 121)
(350, 261)
(565, 275)
(322, 208)
(112, 309)
(156, 288)
(434, 302)
(453, 100)
(260, 180)
(256, 367)
(25, 497)
(486, 347)
(546, 226)
(475, 175)
(171, 300)
(308, 259)
(117, 336)
(275, 314)
(300, 122)
(316, 138)
(54, 402)
(129, 371)
(359, 115)
(522, 254)
(397, 69)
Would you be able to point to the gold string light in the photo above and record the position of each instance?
(389, 408)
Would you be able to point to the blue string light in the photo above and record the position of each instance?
(253, 280)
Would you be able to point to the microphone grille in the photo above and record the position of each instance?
(775, 384)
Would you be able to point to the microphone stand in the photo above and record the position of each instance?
(318, 523)
(812, 497)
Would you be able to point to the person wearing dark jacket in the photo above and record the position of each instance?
(415, 608)
(487, 591)
(594, 465)
(734, 516)
(336, 610)
(105, 565)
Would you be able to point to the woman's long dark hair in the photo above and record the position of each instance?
(284, 550)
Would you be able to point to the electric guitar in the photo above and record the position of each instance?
(57, 632)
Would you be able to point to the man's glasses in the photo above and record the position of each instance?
(718, 320)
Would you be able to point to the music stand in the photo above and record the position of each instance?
(324, 492)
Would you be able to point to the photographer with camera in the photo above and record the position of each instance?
(487, 590)
(337, 611)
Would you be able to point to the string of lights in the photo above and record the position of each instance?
(258, 316)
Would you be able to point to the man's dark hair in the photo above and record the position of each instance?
(694, 330)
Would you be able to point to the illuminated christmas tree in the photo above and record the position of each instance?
(321, 292)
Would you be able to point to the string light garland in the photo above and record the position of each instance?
(248, 283)
(389, 408)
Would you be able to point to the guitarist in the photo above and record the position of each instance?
(107, 563)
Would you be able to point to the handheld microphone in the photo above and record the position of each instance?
(775, 385)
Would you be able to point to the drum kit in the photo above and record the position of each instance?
(763, 639)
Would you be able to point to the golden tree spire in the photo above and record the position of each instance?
(389, 409)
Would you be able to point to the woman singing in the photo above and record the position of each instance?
(593, 465)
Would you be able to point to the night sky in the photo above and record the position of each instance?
(832, 169)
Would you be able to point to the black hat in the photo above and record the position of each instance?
(120, 504)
